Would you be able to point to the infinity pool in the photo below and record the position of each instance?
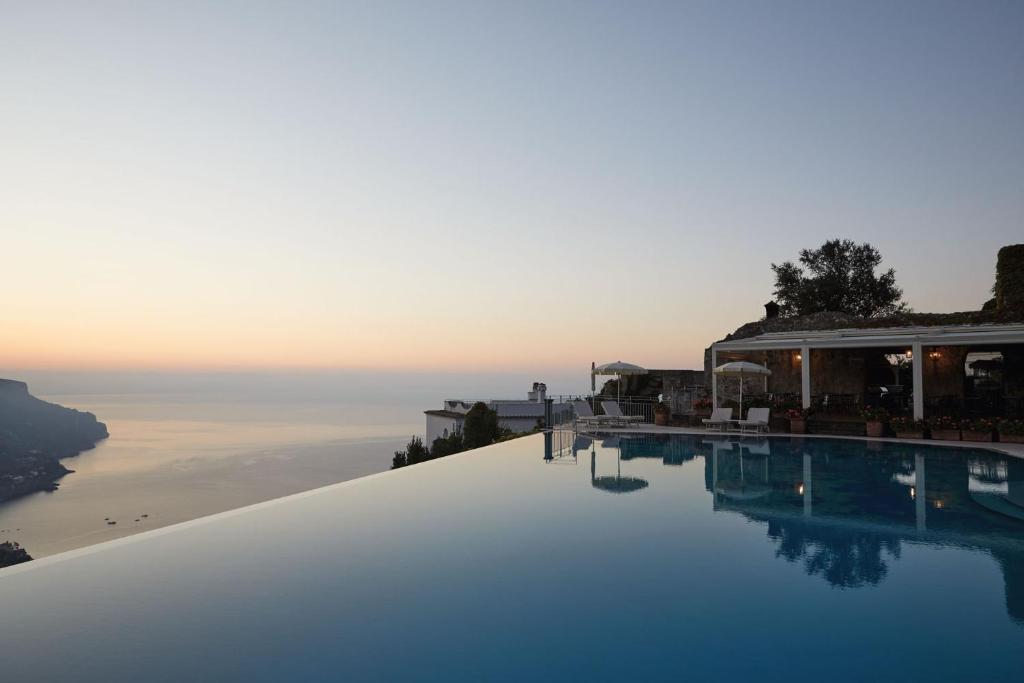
(563, 557)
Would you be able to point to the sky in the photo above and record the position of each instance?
(477, 186)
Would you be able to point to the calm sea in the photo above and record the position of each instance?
(183, 446)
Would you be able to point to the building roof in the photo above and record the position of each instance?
(1010, 333)
(446, 413)
(518, 408)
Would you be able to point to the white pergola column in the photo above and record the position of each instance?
(714, 377)
(917, 363)
(807, 485)
(805, 376)
(920, 505)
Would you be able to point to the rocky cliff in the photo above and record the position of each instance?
(35, 435)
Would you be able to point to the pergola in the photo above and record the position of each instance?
(913, 339)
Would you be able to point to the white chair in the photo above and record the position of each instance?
(756, 422)
(585, 415)
(612, 410)
(719, 420)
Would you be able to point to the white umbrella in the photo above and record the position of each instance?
(741, 369)
(617, 368)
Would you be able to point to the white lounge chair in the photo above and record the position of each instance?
(612, 410)
(756, 422)
(719, 420)
(586, 417)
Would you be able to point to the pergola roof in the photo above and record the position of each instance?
(853, 338)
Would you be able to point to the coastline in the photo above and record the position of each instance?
(35, 436)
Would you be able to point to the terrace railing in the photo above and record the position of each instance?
(634, 406)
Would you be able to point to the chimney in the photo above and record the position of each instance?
(539, 392)
(771, 310)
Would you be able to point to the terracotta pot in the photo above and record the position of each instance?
(910, 435)
(971, 435)
(875, 429)
(1011, 438)
(798, 425)
(946, 434)
(661, 419)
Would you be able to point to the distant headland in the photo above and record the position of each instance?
(34, 436)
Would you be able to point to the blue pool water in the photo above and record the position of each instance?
(564, 558)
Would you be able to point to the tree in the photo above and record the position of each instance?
(399, 460)
(11, 553)
(838, 277)
(414, 452)
(447, 445)
(481, 427)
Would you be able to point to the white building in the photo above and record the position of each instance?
(521, 415)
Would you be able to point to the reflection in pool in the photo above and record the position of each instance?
(563, 557)
(843, 508)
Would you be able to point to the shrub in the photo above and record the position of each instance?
(702, 404)
(907, 424)
(875, 414)
(945, 423)
(446, 445)
(1011, 426)
(981, 424)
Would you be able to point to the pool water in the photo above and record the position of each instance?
(564, 557)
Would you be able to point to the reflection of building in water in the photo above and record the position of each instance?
(845, 514)
(671, 451)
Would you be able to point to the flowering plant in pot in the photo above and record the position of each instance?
(978, 429)
(703, 406)
(661, 414)
(907, 427)
(944, 428)
(875, 419)
(1011, 431)
(798, 420)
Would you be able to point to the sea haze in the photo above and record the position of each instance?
(185, 445)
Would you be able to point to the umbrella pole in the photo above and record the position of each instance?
(740, 395)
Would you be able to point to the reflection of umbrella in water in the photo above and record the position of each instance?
(744, 491)
(618, 483)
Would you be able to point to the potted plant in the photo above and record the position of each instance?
(1011, 431)
(944, 428)
(702, 407)
(876, 419)
(798, 420)
(907, 428)
(979, 429)
(661, 414)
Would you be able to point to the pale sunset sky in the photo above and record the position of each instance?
(483, 186)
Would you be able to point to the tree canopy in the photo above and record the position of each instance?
(481, 427)
(838, 277)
